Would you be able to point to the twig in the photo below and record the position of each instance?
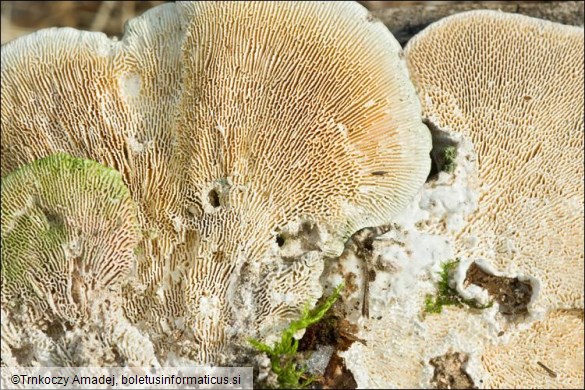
(362, 245)
(550, 372)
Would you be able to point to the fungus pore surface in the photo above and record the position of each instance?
(69, 230)
(513, 85)
(255, 138)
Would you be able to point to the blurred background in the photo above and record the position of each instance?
(403, 18)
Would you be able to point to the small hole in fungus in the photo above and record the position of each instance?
(369, 244)
(214, 198)
(279, 240)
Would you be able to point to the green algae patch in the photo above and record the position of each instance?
(69, 227)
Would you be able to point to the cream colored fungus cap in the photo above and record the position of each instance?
(513, 85)
(231, 123)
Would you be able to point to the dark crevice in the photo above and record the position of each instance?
(362, 245)
(56, 331)
(337, 376)
(24, 355)
(312, 237)
(118, 357)
(512, 294)
(213, 198)
(335, 331)
(279, 240)
(307, 237)
(54, 220)
(443, 153)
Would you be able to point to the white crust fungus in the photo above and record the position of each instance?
(548, 355)
(269, 114)
(513, 85)
(399, 339)
(510, 149)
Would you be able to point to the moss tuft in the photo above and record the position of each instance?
(449, 156)
(283, 354)
(448, 296)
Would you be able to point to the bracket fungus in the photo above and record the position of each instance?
(513, 85)
(506, 92)
(234, 125)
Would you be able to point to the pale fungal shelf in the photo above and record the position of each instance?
(234, 125)
(507, 92)
(69, 231)
(518, 96)
(201, 181)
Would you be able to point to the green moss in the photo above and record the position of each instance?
(448, 296)
(283, 353)
(449, 156)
